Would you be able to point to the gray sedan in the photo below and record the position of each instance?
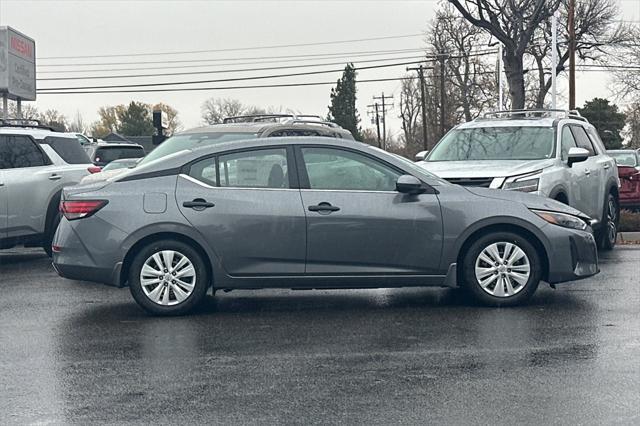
(311, 213)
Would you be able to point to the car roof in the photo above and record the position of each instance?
(260, 126)
(36, 133)
(627, 151)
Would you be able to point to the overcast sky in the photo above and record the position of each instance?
(80, 28)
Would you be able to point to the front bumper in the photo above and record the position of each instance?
(572, 255)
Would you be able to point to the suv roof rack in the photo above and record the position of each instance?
(535, 113)
(25, 122)
(253, 118)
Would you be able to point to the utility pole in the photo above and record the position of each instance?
(442, 56)
(572, 55)
(499, 69)
(377, 119)
(554, 58)
(423, 104)
(384, 118)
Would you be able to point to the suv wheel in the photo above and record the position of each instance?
(502, 269)
(607, 235)
(168, 278)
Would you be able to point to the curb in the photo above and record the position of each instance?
(629, 237)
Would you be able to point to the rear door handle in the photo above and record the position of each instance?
(606, 166)
(324, 208)
(198, 204)
(55, 177)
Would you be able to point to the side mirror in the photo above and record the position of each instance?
(576, 155)
(408, 184)
(422, 155)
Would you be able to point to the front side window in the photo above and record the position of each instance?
(582, 139)
(264, 168)
(337, 169)
(495, 143)
(568, 142)
(20, 151)
(68, 149)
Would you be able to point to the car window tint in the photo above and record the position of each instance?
(265, 168)
(595, 140)
(204, 171)
(4, 153)
(568, 142)
(582, 139)
(337, 169)
(68, 149)
(21, 151)
(294, 132)
(108, 154)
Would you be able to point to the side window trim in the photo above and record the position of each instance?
(304, 177)
(574, 131)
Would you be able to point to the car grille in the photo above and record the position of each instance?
(484, 182)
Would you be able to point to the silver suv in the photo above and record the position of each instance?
(553, 153)
(36, 162)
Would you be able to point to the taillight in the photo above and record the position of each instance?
(80, 209)
(94, 169)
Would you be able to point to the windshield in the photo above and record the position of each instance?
(495, 143)
(193, 140)
(624, 158)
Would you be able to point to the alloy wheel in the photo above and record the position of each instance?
(612, 217)
(502, 269)
(168, 277)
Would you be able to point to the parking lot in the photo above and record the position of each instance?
(74, 352)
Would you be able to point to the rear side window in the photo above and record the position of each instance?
(20, 151)
(582, 139)
(204, 171)
(265, 168)
(108, 154)
(68, 149)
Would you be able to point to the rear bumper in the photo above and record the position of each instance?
(573, 255)
(88, 273)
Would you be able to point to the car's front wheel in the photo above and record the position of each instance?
(168, 278)
(501, 269)
(607, 235)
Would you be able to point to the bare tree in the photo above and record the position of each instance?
(78, 124)
(597, 34)
(513, 23)
(626, 81)
(410, 110)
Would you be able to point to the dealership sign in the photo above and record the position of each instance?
(17, 65)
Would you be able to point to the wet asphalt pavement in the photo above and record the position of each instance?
(73, 352)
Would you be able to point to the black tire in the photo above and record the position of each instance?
(607, 233)
(50, 232)
(198, 293)
(523, 291)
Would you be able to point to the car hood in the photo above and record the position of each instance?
(488, 168)
(532, 201)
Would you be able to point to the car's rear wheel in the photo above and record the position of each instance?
(607, 235)
(168, 278)
(502, 269)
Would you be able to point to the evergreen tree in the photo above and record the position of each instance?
(606, 119)
(342, 110)
(135, 120)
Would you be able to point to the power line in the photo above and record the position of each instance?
(236, 49)
(260, 77)
(190, 89)
(180, 61)
(217, 71)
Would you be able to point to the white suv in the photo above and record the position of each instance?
(36, 162)
(553, 153)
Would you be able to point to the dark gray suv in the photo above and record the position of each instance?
(311, 213)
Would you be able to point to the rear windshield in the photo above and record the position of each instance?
(68, 149)
(193, 140)
(110, 153)
(495, 143)
(624, 158)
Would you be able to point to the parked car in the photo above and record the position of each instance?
(36, 162)
(103, 153)
(628, 161)
(557, 154)
(114, 168)
(311, 213)
(249, 127)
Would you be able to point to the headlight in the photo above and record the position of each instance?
(524, 183)
(562, 219)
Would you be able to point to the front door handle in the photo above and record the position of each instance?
(324, 208)
(55, 177)
(606, 167)
(587, 172)
(198, 204)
